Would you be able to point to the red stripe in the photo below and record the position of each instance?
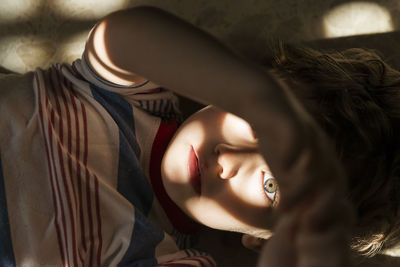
(87, 178)
(78, 169)
(210, 262)
(196, 259)
(69, 156)
(177, 264)
(76, 71)
(57, 226)
(63, 85)
(68, 88)
(60, 145)
(96, 198)
(199, 261)
(174, 264)
(179, 220)
(58, 191)
(100, 245)
(51, 131)
(76, 177)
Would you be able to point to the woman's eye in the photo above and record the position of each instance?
(270, 186)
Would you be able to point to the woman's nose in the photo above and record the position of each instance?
(230, 159)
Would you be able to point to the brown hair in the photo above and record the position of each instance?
(355, 98)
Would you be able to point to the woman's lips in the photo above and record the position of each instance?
(194, 172)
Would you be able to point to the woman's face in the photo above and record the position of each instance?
(213, 171)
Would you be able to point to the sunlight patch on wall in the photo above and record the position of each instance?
(88, 9)
(357, 18)
(21, 54)
(36, 52)
(12, 10)
(8, 58)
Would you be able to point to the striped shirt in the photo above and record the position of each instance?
(80, 183)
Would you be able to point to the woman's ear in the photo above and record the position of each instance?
(252, 242)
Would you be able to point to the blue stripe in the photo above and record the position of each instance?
(132, 181)
(194, 252)
(187, 252)
(7, 258)
(159, 106)
(145, 238)
(168, 107)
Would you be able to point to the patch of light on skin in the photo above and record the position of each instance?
(393, 252)
(210, 218)
(357, 18)
(12, 10)
(101, 52)
(207, 204)
(212, 214)
(237, 131)
(176, 155)
(88, 9)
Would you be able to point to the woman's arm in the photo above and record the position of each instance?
(147, 42)
(174, 54)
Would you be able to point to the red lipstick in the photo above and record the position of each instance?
(194, 172)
